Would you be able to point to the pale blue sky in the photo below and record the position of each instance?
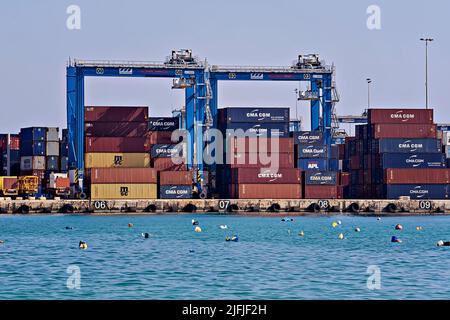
(35, 45)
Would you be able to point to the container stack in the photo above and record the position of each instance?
(64, 152)
(398, 154)
(117, 158)
(33, 152)
(446, 146)
(247, 174)
(9, 159)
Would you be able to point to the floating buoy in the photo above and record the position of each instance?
(68, 228)
(334, 224)
(301, 234)
(191, 251)
(145, 235)
(287, 219)
(339, 222)
(441, 243)
(398, 227)
(419, 228)
(130, 225)
(83, 245)
(198, 229)
(395, 239)
(2, 241)
(378, 218)
(233, 238)
(357, 229)
(223, 226)
(194, 222)
(341, 236)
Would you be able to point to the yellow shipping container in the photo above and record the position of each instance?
(117, 160)
(123, 191)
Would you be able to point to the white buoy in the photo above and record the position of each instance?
(198, 229)
(223, 226)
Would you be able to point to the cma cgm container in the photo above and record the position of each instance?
(256, 160)
(321, 177)
(119, 191)
(178, 178)
(115, 129)
(379, 131)
(122, 175)
(308, 137)
(266, 191)
(312, 164)
(400, 116)
(261, 176)
(417, 176)
(306, 151)
(111, 160)
(417, 191)
(168, 150)
(250, 145)
(406, 146)
(32, 148)
(33, 134)
(163, 124)
(116, 144)
(175, 192)
(243, 129)
(116, 114)
(252, 115)
(406, 160)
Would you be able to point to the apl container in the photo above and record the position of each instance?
(163, 124)
(417, 191)
(312, 164)
(406, 146)
(116, 114)
(119, 191)
(32, 148)
(122, 175)
(269, 130)
(52, 148)
(308, 151)
(175, 192)
(115, 129)
(33, 134)
(117, 144)
(321, 177)
(168, 150)
(261, 176)
(308, 137)
(400, 116)
(252, 115)
(112, 160)
(405, 160)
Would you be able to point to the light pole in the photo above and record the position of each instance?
(369, 81)
(296, 103)
(426, 68)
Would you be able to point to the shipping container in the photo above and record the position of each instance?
(308, 151)
(179, 178)
(168, 150)
(52, 134)
(406, 146)
(13, 141)
(417, 191)
(116, 114)
(308, 137)
(446, 138)
(117, 144)
(32, 148)
(163, 124)
(312, 164)
(321, 177)
(266, 191)
(123, 191)
(258, 160)
(250, 114)
(167, 164)
(33, 134)
(8, 186)
(115, 129)
(175, 192)
(417, 176)
(52, 148)
(400, 116)
(111, 160)
(160, 137)
(379, 131)
(321, 192)
(32, 163)
(121, 175)
(447, 151)
(52, 164)
(243, 129)
(269, 176)
(37, 173)
(252, 145)
(64, 164)
(64, 149)
(406, 160)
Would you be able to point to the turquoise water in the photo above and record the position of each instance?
(270, 261)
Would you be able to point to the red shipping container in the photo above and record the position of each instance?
(10, 183)
(180, 178)
(62, 183)
(14, 142)
(267, 191)
(344, 178)
(321, 192)
(115, 129)
(116, 144)
(259, 176)
(355, 162)
(380, 131)
(116, 114)
(166, 164)
(121, 175)
(417, 176)
(159, 137)
(400, 116)
(251, 145)
(254, 160)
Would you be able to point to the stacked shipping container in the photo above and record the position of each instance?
(9, 154)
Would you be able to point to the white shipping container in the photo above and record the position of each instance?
(52, 134)
(446, 138)
(447, 151)
(52, 148)
(32, 163)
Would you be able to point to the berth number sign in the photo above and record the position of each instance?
(100, 205)
(425, 205)
(324, 204)
(223, 204)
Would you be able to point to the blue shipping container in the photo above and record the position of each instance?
(321, 177)
(249, 114)
(64, 164)
(308, 137)
(272, 130)
(417, 160)
(175, 192)
(52, 163)
(166, 150)
(32, 148)
(306, 151)
(424, 191)
(33, 134)
(407, 146)
(163, 124)
(312, 164)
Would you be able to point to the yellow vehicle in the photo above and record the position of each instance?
(28, 185)
(9, 187)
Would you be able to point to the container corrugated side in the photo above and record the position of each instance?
(120, 191)
(321, 192)
(121, 175)
(52, 148)
(251, 145)
(267, 191)
(112, 160)
(379, 131)
(417, 176)
(115, 129)
(167, 164)
(117, 144)
(52, 134)
(175, 178)
(115, 114)
(256, 160)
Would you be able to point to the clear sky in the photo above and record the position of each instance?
(35, 45)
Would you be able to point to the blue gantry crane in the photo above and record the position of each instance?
(200, 82)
